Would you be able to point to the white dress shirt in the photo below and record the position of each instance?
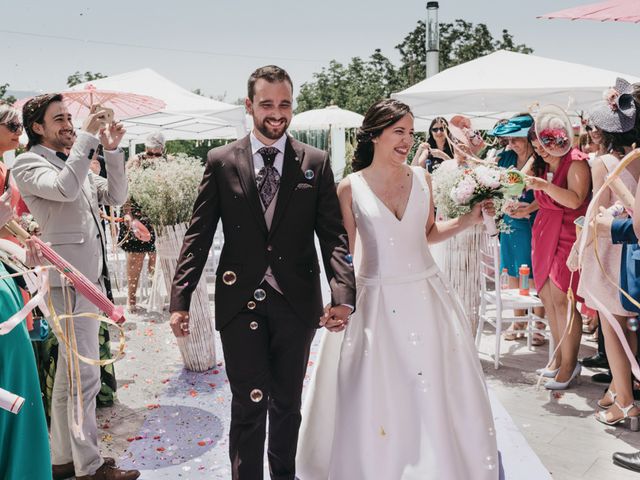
(258, 161)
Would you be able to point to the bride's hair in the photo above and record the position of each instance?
(380, 115)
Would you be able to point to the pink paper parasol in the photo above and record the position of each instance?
(609, 11)
(82, 285)
(124, 105)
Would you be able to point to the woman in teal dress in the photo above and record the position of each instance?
(515, 246)
(24, 440)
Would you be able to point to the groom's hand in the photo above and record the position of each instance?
(179, 323)
(335, 319)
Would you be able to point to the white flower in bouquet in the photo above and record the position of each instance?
(166, 189)
(487, 176)
(445, 177)
(464, 191)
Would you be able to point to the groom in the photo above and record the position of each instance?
(272, 194)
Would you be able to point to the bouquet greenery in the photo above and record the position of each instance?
(166, 189)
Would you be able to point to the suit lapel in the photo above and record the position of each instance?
(293, 156)
(244, 164)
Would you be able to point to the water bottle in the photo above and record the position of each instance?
(504, 279)
(524, 272)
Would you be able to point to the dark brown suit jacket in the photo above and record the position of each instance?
(304, 206)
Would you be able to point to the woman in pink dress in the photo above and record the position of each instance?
(562, 188)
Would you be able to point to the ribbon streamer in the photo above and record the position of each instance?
(589, 217)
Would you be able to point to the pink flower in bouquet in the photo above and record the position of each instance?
(464, 190)
(487, 177)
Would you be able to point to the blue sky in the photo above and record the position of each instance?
(238, 35)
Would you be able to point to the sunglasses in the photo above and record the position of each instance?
(437, 129)
(153, 154)
(13, 127)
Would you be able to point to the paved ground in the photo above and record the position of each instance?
(559, 428)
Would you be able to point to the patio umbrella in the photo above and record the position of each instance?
(335, 120)
(609, 11)
(325, 118)
(124, 105)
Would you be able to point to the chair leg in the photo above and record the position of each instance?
(479, 330)
(496, 361)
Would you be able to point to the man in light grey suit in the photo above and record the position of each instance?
(63, 196)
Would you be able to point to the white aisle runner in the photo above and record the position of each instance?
(185, 436)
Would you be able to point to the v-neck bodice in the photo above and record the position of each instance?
(391, 247)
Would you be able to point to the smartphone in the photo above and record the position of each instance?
(579, 221)
(104, 114)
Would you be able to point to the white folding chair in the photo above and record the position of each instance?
(494, 301)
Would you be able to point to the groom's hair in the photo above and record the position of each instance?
(270, 73)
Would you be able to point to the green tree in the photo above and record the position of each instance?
(354, 87)
(460, 42)
(361, 83)
(78, 77)
(3, 92)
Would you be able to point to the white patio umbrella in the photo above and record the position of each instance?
(334, 119)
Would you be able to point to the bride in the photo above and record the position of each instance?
(401, 394)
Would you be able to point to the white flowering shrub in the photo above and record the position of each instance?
(166, 189)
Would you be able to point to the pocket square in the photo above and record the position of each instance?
(303, 186)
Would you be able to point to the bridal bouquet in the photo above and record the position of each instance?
(457, 189)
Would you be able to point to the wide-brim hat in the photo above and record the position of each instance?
(514, 127)
(617, 112)
(461, 132)
(554, 130)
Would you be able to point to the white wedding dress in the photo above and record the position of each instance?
(401, 395)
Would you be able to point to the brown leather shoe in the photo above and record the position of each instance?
(110, 472)
(62, 472)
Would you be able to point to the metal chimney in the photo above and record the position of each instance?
(432, 39)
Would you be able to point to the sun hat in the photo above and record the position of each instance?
(461, 132)
(554, 130)
(514, 127)
(617, 112)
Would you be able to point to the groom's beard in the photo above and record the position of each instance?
(272, 133)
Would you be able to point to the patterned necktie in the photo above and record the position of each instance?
(268, 179)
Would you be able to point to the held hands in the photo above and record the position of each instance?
(335, 319)
(179, 323)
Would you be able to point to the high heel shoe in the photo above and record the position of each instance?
(555, 385)
(634, 421)
(613, 396)
(546, 373)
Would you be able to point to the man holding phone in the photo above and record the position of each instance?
(63, 196)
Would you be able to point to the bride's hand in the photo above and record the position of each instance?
(335, 319)
(475, 216)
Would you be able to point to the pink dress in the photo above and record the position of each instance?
(554, 232)
(594, 284)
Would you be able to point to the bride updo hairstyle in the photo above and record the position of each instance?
(380, 115)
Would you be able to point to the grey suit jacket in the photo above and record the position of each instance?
(63, 197)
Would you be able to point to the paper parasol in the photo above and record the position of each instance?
(124, 105)
(82, 285)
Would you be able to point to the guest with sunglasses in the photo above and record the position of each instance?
(137, 249)
(24, 440)
(437, 148)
